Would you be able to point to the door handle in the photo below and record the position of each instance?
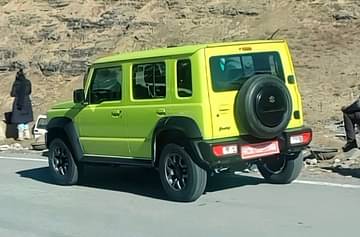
(161, 111)
(116, 113)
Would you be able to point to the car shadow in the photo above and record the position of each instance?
(139, 181)
(353, 172)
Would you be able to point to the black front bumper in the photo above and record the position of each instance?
(205, 158)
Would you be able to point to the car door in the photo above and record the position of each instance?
(101, 123)
(147, 106)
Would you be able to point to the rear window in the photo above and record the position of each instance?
(41, 124)
(231, 71)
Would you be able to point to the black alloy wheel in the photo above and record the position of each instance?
(61, 160)
(61, 163)
(176, 171)
(181, 178)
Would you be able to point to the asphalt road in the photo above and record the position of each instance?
(130, 202)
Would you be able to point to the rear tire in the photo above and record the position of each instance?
(181, 178)
(283, 169)
(61, 163)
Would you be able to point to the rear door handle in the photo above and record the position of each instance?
(115, 113)
(161, 111)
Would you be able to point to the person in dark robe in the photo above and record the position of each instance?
(351, 115)
(22, 112)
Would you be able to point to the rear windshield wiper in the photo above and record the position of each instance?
(262, 72)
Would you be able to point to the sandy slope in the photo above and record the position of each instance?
(43, 34)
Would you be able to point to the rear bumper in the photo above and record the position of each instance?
(205, 158)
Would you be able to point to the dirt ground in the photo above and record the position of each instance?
(50, 38)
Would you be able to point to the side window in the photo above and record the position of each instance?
(86, 77)
(106, 85)
(149, 81)
(184, 80)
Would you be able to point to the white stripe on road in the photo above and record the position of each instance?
(18, 158)
(319, 183)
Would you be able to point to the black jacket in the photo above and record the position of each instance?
(22, 108)
(354, 107)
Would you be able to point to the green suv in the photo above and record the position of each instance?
(186, 111)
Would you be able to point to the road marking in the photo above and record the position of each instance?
(319, 183)
(26, 159)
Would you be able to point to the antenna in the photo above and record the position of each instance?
(273, 34)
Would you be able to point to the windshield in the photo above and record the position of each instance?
(231, 71)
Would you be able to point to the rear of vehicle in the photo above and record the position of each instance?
(256, 110)
(40, 126)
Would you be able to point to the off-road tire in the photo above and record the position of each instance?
(259, 116)
(288, 170)
(196, 177)
(61, 163)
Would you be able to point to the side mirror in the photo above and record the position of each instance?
(79, 96)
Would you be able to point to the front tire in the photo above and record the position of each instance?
(282, 169)
(61, 163)
(181, 178)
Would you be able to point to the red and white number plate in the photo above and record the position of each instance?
(251, 151)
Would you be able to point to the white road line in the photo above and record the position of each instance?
(319, 183)
(26, 159)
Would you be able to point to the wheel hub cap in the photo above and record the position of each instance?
(270, 105)
(61, 160)
(176, 171)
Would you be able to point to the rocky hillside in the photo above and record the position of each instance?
(55, 39)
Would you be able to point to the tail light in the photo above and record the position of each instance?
(301, 139)
(223, 150)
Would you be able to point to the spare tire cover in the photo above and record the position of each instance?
(263, 106)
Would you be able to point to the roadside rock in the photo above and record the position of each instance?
(7, 53)
(217, 10)
(4, 147)
(4, 2)
(49, 68)
(14, 147)
(311, 162)
(58, 3)
(344, 15)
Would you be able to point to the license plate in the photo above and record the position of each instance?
(251, 151)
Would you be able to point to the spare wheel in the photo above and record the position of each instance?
(263, 106)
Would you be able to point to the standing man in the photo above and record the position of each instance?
(22, 112)
(351, 115)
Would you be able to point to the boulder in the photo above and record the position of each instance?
(58, 3)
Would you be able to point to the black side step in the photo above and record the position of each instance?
(117, 161)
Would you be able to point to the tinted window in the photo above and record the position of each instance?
(149, 81)
(106, 85)
(184, 81)
(231, 71)
(41, 124)
(86, 77)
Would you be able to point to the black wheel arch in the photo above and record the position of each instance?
(178, 129)
(64, 128)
